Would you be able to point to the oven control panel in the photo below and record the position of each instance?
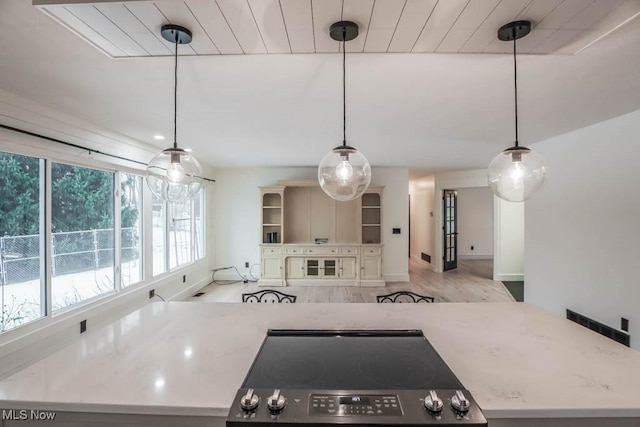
(355, 405)
(324, 408)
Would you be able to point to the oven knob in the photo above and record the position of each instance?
(275, 401)
(460, 402)
(249, 401)
(432, 402)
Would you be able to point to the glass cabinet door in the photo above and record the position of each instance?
(313, 268)
(330, 268)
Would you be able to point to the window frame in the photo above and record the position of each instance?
(21, 145)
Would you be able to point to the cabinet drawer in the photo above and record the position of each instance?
(293, 251)
(371, 251)
(321, 251)
(271, 251)
(350, 251)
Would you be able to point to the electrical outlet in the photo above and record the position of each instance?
(246, 264)
(152, 293)
(184, 278)
(83, 326)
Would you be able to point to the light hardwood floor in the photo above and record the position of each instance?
(471, 282)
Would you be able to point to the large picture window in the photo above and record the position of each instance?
(159, 239)
(178, 233)
(96, 225)
(22, 291)
(82, 247)
(130, 229)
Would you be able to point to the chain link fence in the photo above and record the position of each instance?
(72, 252)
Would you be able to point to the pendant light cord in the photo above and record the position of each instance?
(175, 97)
(344, 88)
(515, 83)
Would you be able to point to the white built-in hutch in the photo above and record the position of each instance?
(308, 238)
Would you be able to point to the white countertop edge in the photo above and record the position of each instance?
(115, 409)
(223, 412)
(562, 413)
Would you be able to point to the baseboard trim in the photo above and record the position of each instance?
(322, 282)
(189, 291)
(474, 256)
(508, 277)
(232, 275)
(396, 278)
(421, 261)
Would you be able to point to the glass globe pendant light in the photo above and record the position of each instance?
(517, 172)
(344, 173)
(174, 175)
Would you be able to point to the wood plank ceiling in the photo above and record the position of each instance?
(132, 28)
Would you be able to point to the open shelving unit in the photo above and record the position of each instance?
(308, 238)
(371, 218)
(272, 217)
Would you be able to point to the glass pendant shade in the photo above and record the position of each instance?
(344, 173)
(174, 175)
(516, 173)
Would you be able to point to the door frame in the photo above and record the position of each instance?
(449, 230)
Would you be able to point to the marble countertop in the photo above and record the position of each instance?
(191, 357)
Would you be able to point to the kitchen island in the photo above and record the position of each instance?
(180, 363)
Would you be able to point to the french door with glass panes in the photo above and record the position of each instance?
(450, 230)
(321, 268)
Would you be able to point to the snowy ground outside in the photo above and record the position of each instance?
(21, 301)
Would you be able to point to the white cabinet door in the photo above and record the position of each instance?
(371, 268)
(271, 268)
(312, 268)
(295, 268)
(329, 268)
(348, 268)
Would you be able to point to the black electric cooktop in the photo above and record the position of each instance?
(357, 377)
(353, 360)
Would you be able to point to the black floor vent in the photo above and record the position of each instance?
(426, 257)
(598, 327)
(199, 294)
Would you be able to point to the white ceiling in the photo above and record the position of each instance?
(429, 112)
(132, 28)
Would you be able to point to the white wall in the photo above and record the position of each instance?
(475, 223)
(583, 226)
(237, 215)
(509, 238)
(508, 225)
(422, 217)
(451, 181)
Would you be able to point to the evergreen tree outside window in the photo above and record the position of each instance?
(82, 247)
(22, 281)
(131, 270)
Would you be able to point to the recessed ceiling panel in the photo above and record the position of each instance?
(325, 13)
(358, 11)
(384, 21)
(297, 15)
(131, 28)
(414, 17)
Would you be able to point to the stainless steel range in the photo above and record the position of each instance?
(351, 377)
